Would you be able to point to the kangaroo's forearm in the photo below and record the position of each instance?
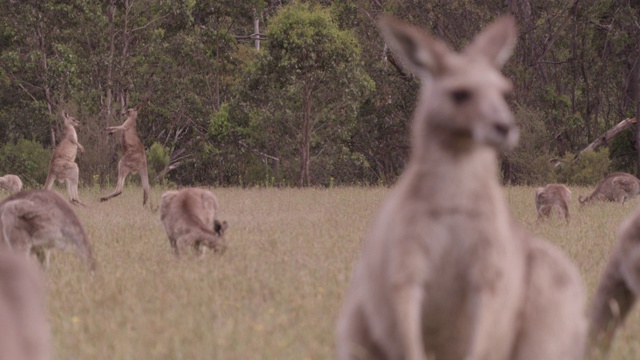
(112, 129)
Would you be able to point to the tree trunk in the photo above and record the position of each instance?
(112, 49)
(637, 117)
(637, 93)
(108, 111)
(45, 81)
(305, 142)
(256, 29)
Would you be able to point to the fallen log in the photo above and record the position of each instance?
(601, 140)
(610, 134)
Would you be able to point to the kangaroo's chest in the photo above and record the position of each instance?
(67, 150)
(131, 142)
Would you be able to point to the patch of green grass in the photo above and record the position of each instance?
(274, 294)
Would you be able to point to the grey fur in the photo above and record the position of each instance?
(445, 272)
(189, 218)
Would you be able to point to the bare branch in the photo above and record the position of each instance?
(26, 91)
(250, 37)
(150, 23)
(258, 152)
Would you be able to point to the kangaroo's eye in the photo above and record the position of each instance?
(460, 96)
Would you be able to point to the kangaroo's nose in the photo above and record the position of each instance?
(501, 129)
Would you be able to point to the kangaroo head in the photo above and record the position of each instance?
(131, 113)
(462, 99)
(70, 121)
(220, 227)
(219, 244)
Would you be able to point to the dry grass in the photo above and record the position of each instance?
(273, 295)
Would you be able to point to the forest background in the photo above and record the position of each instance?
(316, 99)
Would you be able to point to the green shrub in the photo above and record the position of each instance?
(588, 169)
(157, 159)
(529, 163)
(622, 152)
(27, 159)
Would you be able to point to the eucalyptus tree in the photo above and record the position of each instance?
(40, 64)
(305, 89)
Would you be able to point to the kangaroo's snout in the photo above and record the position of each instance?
(502, 129)
(502, 135)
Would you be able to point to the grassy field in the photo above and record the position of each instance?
(273, 295)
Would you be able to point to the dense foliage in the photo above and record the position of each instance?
(322, 102)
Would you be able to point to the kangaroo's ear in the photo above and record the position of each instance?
(220, 227)
(64, 114)
(421, 53)
(138, 107)
(496, 42)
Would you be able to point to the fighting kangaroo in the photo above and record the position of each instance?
(133, 158)
(445, 272)
(62, 166)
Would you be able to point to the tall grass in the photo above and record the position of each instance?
(274, 294)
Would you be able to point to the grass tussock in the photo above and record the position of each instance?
(274, 294)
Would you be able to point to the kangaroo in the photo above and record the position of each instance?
(553, 196)
(445, 272)
(133, 158)
(25, 333)
(617, 187)
(189, 218)
(33, 220)
(10, 183)
(62, 166)
(619, 286)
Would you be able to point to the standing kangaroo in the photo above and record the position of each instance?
(445, 272)
(133, 158)
(62, 166)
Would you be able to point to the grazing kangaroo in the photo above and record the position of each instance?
(617, 187)
(25, 333)
(189, 218)
(41, 219)
(133, 158)
(553, 196)
(10, 183)
(619, 285)
(62, 166)
(445, 272)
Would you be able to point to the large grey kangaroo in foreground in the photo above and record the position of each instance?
(619, 287)
(25, 333)
(445, 272)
